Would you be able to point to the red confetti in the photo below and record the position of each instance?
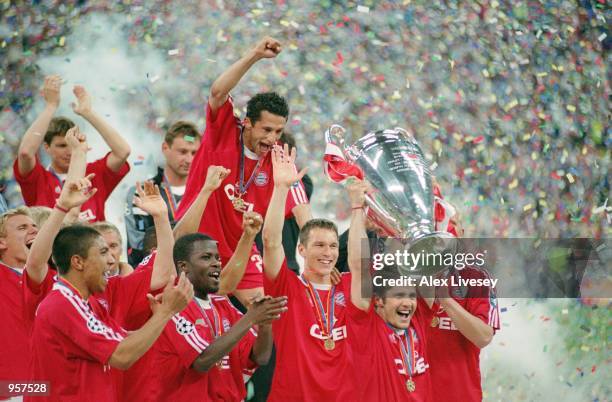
(478, 139)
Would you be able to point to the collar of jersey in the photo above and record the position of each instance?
(250, 154)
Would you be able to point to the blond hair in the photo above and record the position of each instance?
(40, 214)
(9, 214)
(104, 226)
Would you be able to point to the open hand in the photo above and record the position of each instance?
(83, 105)
(51, 89)
(174, 299)
(283, 164)
(76, 192)
(150, 200)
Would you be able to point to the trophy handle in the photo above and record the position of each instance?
(405, 134)
(335, 135)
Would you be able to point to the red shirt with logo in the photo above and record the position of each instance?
(41, 187)
(221, 147)
(305, 370)
(382, 369)
(455, 361)
(72, 342)
(15, 306)
(185, 337)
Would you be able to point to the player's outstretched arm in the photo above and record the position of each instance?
(190, 222)
(120, 149)
(285, 174)
(232, 273)
(220, 89)
(356, 253)
(73, 195)
(262, 311)
(173, 300)
(149, 200)
(34, 136)
(473, 328)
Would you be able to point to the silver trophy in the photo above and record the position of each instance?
(402, 202)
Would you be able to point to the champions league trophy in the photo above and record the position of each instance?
(402, 202)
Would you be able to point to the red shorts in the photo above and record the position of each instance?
(253, 274)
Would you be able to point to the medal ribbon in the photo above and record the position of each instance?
(170, 197)
(325, 321)
(242, 187)
(216, 329)
(407, 350)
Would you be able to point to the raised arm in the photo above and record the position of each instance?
(220, 89)
(190, 222)
(262, 311)
(73, 195)
(34, 136)
(473, 328)
(360, 290)
(173, 300)
(120, 149)
(285, 174)
(149, 200)
(232, 273)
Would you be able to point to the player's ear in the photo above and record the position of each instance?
(302, 250)
(378, 302)
(77, 262)
(247, 123)
(181, 266)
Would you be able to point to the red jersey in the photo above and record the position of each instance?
(183, 340)
(383, 362)
(42, 187)
(15, 304)
(455, 361)
(221, 146)
(305, 369)
(72, 342)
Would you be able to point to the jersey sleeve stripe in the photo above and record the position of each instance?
(108, 332)
(193, 338)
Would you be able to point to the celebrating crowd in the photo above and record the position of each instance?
(199, 308)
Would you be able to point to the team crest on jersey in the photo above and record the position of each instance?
(339, 299)
(261, 179)
(96, 326)
(226, 325)
(184, 326)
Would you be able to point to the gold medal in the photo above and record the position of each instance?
(238, 204)
(330, 344)
(435, 321)
(410, 385)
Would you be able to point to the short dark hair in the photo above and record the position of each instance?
(72, 240)
(316, 223)
(183, 246)
(57, 127)
(270, 102)
(181, 128)
(287, 138)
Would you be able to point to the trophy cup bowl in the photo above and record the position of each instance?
(401, 203)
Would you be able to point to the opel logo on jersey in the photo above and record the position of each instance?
(261, 179)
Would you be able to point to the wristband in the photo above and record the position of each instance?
(60, 208)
